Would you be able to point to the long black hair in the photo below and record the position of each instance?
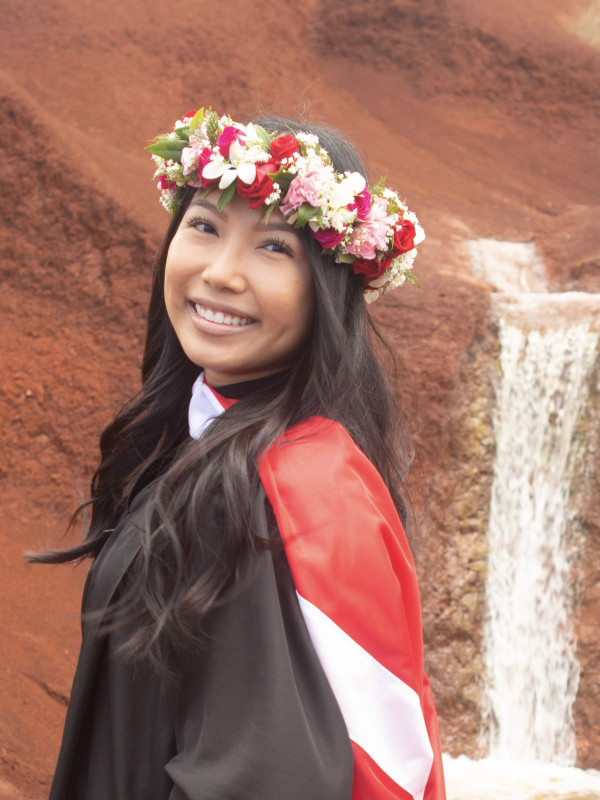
(196, 487)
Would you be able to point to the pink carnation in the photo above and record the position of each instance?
(372, 234)
(305, 189)
(189, 158)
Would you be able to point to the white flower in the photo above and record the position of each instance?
(343, 193)
(377, 283)
(371, 295)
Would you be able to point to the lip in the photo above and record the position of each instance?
(218, 328)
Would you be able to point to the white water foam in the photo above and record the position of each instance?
(492, 779)
(510, 266)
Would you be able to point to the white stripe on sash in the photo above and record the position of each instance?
(383, 715)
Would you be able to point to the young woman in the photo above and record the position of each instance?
(251, 620)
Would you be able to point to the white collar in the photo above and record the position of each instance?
(204, 407)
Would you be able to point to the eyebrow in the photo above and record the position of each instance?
(273, 225)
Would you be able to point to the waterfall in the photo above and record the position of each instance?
(532, 670)
(549, 346)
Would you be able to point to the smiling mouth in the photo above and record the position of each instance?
(221, 317)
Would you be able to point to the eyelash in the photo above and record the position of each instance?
(281, 243)
(194, 222)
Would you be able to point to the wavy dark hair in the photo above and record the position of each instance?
(182, 569)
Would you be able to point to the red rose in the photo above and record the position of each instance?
(284, 147)
(370, 268)
(262, 186)
(404, 236)
(329, 238)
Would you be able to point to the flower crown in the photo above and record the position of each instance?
(366, 227)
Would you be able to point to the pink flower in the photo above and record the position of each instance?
(362, 204)
(305, 189)
(329, 238)
(372, 234)
(165, 184)
(203, 159)
(227, 138)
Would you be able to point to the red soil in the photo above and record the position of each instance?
(484, 114)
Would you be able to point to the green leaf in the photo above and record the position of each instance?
(413, 279)
(306, 212)
(379, 186)
(169, 149)
(266, 212)
(282, 179)
(346, 258)
(183, 133)
(197, 119)
(265, 137)
(226, 196)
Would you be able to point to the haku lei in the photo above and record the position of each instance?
(368, 228)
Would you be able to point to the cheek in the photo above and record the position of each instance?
(175, 274)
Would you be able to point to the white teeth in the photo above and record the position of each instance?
(219, 317)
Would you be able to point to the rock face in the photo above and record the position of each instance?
(454, 568)
(585, 505)
(485, 115)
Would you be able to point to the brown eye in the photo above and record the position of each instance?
(278, 246)
(201, 225)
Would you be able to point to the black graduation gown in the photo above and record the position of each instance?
(251, 718)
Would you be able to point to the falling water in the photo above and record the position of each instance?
(530, 646)
(549, 343)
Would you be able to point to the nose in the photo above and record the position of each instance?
(224, 270)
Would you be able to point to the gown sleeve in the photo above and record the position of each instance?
(358, 592)
(253, 715)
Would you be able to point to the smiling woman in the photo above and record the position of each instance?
(251, 619)
(239, 292)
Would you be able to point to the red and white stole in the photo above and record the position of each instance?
(358, 593)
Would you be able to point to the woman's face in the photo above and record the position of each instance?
(239, 293)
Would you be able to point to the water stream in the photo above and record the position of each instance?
(533, 673)
(549, 344)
